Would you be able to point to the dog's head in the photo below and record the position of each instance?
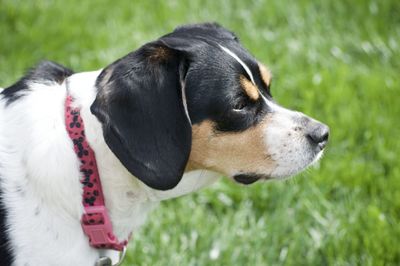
(196, 99)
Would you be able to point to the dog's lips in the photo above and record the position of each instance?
(248, 178)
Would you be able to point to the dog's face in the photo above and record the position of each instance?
(196, 99)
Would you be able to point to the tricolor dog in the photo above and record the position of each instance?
(163, 121)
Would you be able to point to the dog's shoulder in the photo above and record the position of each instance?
(44, 72)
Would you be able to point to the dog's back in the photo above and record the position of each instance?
(45, 72)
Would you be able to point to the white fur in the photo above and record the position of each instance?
(286, 143)
(40, 178)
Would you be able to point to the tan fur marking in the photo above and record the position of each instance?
(250, 89)
(106, 77)
(230, 153)
(103, 94)
(160, 54)
(265, 74)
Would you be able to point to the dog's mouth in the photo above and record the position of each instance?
(249, 178)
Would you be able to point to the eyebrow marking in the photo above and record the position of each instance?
(265, 74)
(250, 89)
(270, 103)
(240, 62)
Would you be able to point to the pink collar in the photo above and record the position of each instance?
(95, 220)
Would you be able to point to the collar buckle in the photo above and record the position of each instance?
(96, 224)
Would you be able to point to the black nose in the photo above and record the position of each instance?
(318, 134)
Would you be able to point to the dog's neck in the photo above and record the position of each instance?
(127, 199)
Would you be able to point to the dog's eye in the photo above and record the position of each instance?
(240, 105)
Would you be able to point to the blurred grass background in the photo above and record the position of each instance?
(337, 61)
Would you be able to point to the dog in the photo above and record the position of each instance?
(163, 121)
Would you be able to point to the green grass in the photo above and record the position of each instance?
(338, 61)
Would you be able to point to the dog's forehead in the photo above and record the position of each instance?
(215, 46)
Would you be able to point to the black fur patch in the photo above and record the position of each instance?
(247, 179)
(6, 256)
(45, 72)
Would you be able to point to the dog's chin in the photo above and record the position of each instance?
(288, 172)
(250, 178)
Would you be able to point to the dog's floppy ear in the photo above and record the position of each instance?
(141, 107)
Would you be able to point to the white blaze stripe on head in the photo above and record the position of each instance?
(185, 102)
(240, 61)
(275, 106)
